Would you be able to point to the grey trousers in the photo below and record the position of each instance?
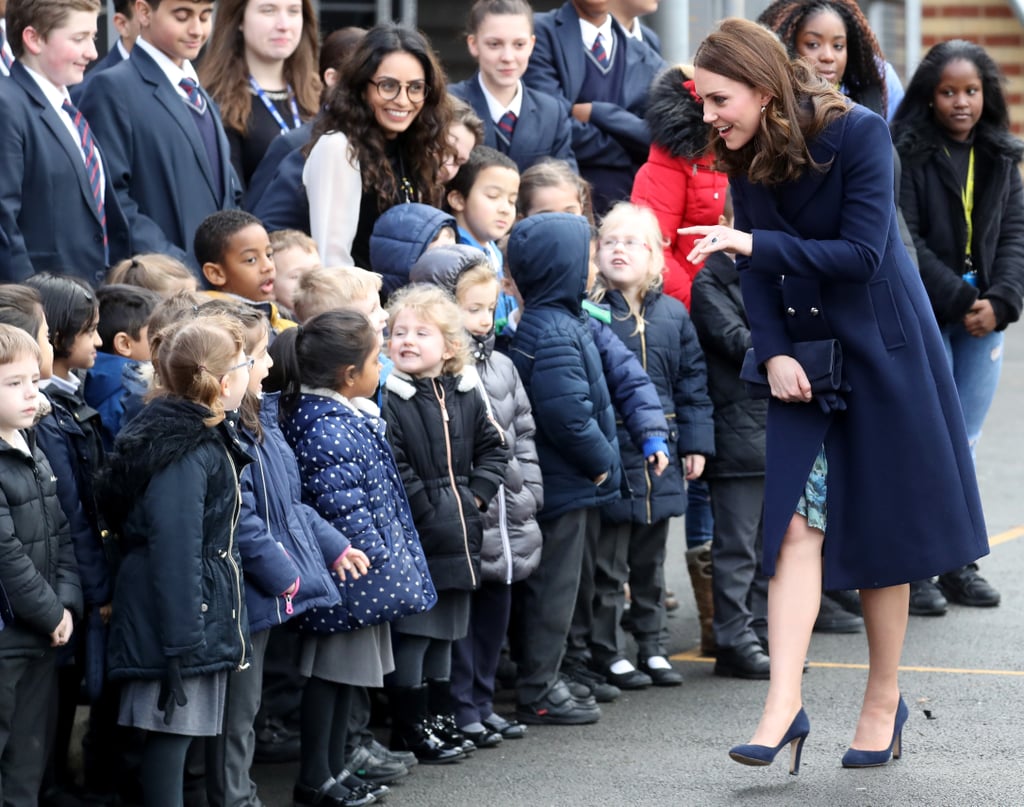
(545, 604)
(739, 589)
(228, 782)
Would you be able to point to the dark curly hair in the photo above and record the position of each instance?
(915, 115)
(864, 77)
(802, 103)
(427, 137)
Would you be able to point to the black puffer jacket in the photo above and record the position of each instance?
(448, 450)
(930, 199)
(171, 493)
(721, 323)
(38, 576)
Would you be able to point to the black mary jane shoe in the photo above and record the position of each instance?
(330, 794)
(487, 738)
(509, 729)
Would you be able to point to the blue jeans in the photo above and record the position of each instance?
(976, 363)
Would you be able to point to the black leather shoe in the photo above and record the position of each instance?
(359, 787)
(660, 676)
(966, 586)
(427, 746)
(583, 681)
(847, 600)
(833, 618)
(486, 738)
(371, 768)
(509, 729)
(557, 707)
(330, 794)
(630, 679)
(926, 599)
(749, 661)
(445, 728)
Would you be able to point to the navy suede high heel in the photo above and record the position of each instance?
(854, 758)
(765, 754)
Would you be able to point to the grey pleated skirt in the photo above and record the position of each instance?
(202, 716)
(358, 658)
(448, 619)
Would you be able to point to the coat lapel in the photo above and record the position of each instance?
(567, 29)
(49, 116)
(168, 97)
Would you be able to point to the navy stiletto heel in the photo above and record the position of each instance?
(765, 754)
(854, 758)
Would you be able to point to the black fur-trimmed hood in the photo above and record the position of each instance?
(675, 117)
(917, 143)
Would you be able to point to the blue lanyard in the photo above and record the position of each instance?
(296, 120)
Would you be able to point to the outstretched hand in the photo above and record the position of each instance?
(717, 239)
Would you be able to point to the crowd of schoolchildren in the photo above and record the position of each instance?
(327, 384)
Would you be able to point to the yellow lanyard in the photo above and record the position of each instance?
(967, 199)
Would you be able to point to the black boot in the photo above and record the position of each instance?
(411, 730)
(442, 718)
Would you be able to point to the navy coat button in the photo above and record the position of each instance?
(815, 312)
(791, 312)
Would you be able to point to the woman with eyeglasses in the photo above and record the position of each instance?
(381, 140)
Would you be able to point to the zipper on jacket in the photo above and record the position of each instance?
(439, 394)
(506, 543)
(649, 508)
(243, 664)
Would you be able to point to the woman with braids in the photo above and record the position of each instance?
(381, 140)
(261, 69)
(835, 38)
(821, 264)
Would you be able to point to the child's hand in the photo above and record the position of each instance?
(479, 503)
(660, 462)
(600, 480)
(694, 465)
(105, 612)
(62, 632)
(354, 562)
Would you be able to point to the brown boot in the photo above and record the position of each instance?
(698, 562)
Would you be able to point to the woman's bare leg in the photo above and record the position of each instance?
(885, 618)
(794, 596)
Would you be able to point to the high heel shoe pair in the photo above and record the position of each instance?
(797, 732)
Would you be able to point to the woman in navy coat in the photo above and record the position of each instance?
(872, 487)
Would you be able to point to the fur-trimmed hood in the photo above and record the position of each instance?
(918, 143)
(404, 385)
(675, 117)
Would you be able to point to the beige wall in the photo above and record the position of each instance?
(994, 26)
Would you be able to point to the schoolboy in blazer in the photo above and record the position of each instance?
(127, 26)
(170, 161)
(605, 101)
(58, 207)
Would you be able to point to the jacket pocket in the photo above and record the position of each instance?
(886, 314)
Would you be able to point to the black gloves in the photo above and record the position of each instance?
(832, 401)
(172, 691)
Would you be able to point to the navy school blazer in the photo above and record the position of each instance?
(156, 156)
(617, 133)
(542, 129)
(43, 176)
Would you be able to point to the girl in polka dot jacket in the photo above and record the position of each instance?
(330, 369)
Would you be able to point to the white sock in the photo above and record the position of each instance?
(658, 663)
(621, 666)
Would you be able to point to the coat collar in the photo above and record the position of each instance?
(405, 387)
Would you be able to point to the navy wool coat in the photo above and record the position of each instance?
(827, 261)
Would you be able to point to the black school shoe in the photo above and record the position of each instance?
(629, 679)
(557, 707)
(966, 586)
(371, 768)
(926, 599)
(509, 729)
(749, 662)
(660, 676)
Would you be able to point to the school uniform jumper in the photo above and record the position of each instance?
(827, 262)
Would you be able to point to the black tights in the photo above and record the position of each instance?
(325, 708)
(420, 658)
(163, 769)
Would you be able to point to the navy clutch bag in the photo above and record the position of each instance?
(822, 360)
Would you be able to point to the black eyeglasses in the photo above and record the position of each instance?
(390, 88)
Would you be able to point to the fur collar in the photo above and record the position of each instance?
(675, 117)
(918, 144)
(404, 386)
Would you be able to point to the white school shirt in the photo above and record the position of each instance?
(174, 73)
(494, 106)
(589, 32)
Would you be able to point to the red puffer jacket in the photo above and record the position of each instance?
(678, 182)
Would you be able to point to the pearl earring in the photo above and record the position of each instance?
(763, 108)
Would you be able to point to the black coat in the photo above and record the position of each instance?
(930, 199)
(669, 351)
(38, 576)
(721, 322)
(448, 450)
(171, 493)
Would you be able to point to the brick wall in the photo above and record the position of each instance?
(994, 26)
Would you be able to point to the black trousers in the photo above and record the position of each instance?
(28, 693)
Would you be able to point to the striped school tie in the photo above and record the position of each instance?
(507, 124)
(5, 55)
(195, 98)
(599, 52)
(92, 166)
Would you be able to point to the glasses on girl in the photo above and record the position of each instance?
(390, 88)
(632, 244)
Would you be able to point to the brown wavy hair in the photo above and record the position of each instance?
(225, 75)
(192, 356)
(347, 112)
(802, 103)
